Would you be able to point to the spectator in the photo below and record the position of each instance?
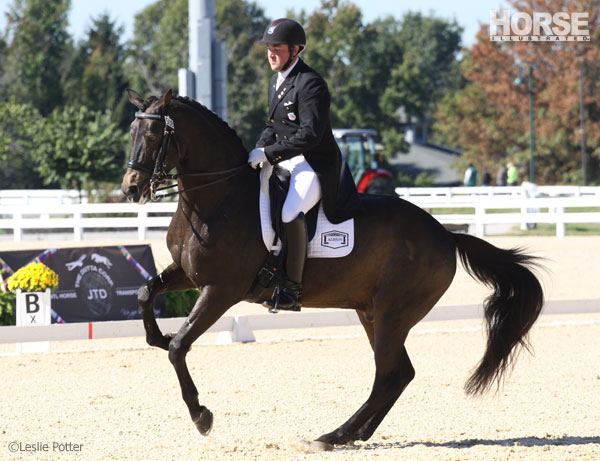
(487, 178)
(501, 177)
(470, 178)
(512, 174)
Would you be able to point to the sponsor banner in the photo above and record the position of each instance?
(95, 284)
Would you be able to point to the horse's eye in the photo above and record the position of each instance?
(151, 137)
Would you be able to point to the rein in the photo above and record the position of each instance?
(160, 176)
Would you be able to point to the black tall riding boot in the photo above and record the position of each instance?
(288, 294)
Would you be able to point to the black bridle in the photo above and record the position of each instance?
(158, 170)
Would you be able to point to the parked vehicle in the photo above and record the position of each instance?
(360, 149)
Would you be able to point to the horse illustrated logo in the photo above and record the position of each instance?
(334, 239)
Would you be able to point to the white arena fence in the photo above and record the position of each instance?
(79, 217)
(558, 205)
(525, 190)
(50, 196)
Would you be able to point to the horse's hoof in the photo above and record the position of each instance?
(335, 438)
(204, 422)
(317, 445)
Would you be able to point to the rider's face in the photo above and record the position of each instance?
(278, 55)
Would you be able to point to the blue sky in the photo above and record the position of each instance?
(468, 13)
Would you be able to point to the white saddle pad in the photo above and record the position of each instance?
(330, 240)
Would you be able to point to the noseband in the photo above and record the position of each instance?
(159, 174)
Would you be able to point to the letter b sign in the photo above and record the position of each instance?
(32, 304)
(33, 308)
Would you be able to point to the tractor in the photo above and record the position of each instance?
(360, 150)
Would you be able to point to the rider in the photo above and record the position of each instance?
(298, 137)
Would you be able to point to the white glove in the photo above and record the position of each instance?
(256, 157)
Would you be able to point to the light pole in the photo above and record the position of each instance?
(519, 81)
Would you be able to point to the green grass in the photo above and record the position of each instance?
(435, 211)
(549, 230)
(589, 209)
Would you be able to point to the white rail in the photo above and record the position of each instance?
(483, 206)
(559, 211)
(51, 196)
(495, 191)
(79, 217)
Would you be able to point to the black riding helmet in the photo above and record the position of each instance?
(285, 31)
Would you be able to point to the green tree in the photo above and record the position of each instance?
(240, 25)
(380, 71)
(159, 47)
(77, 147)
(429, 66)
(355, 60)
(17, 125)
(35, 51)
(3, 48)
(336, 37)
(96, 77)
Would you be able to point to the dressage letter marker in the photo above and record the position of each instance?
(33, 309)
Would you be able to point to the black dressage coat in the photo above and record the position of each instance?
(299, 124)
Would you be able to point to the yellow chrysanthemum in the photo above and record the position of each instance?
(33, 277)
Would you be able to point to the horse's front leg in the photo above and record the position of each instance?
(171, 279)
(211, 305)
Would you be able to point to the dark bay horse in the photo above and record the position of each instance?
(402, 262)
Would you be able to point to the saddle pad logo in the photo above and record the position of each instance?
(334, 239)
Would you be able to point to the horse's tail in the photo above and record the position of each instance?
(510, 311)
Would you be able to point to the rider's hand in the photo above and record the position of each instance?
(256, 157)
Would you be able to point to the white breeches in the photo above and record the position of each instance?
(305, 189)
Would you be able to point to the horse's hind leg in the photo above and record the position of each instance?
(393, 373)
(171, 279)
(391, 388)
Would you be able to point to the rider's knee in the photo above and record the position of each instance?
(289, 214)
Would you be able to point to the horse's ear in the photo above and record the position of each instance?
(163, 102)
(135, 99)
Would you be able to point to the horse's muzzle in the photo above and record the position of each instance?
(131, 192)
(136, 193)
